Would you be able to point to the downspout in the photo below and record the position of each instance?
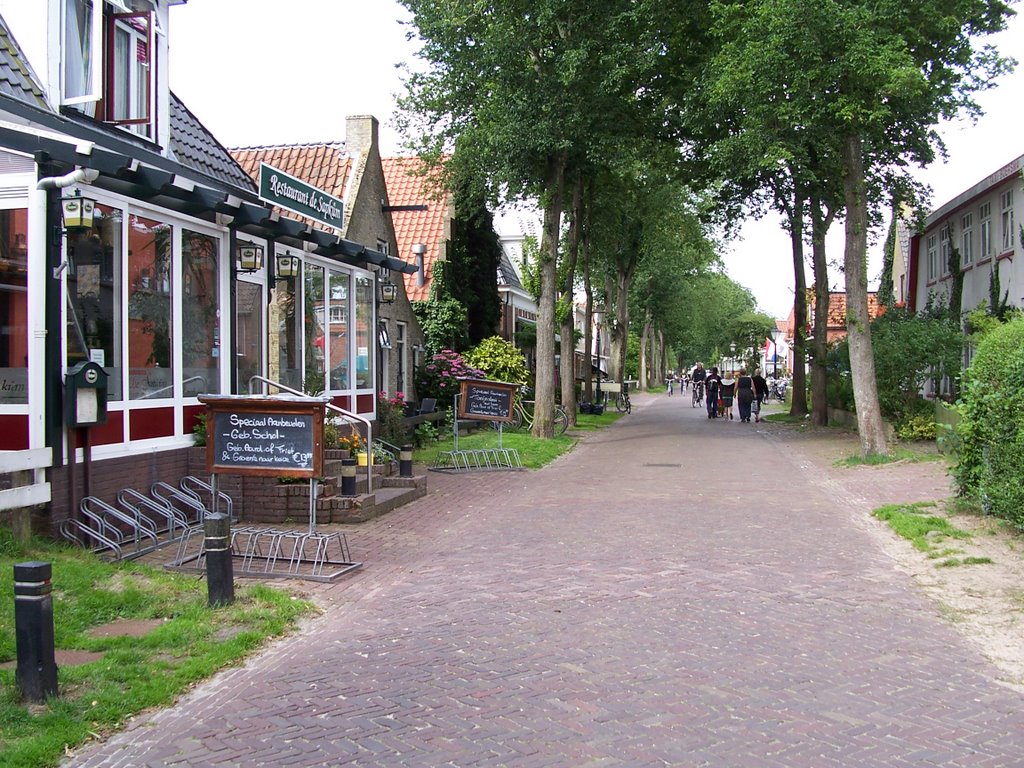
(77, 176)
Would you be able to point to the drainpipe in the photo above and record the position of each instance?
(77, 176)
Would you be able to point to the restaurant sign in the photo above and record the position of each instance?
(278, 188)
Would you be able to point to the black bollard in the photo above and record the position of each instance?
(405, 461)
(348, 477)
(220, 577)
(36, 674)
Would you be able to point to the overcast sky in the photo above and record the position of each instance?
(282, 79)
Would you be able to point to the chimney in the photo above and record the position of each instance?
(360, 132)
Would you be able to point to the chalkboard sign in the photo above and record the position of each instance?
(264, 436)
(486, 400)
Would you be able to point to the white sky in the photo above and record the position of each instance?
(291, 72)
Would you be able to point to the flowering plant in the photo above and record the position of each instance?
(353, 443)
(439, 376)
(390, 412)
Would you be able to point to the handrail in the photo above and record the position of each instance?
(333, 407)
(189, 380)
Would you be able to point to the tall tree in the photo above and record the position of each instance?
(868, 81)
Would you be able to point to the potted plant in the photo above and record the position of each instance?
(353, 443)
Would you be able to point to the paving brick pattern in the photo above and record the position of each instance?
(674, 592)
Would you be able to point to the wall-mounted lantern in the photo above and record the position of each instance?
(250, 257)
(77, 211)
(388, 291)
(288, 267)
(418, 251)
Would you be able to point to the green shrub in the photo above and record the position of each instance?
(439, 376)
(499, 359)
(917, 427)
(991, 429)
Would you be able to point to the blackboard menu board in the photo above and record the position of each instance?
(265, 436)
(486, 400)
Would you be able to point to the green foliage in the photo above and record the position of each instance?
(499, 360)
(991, 427)
(390, 412)
(444, 323)
(917, 427)
(425, 433)
(909, 349)
(199, 430)
(439, 376)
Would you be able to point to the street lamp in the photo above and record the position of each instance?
(776, 333)
(732, 357)
(597, 311)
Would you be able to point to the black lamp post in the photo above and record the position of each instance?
(775, 352)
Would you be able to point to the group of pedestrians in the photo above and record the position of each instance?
(719, 392)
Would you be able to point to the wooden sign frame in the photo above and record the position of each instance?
(265, 436)
(480, 398)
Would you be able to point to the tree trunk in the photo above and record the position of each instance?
(819, 372)
(568, 327)
(544, 408)
(645, 357)
(798, 407)
(862, 361)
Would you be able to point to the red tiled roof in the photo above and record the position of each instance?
(407, 187)
(324, 166)
(837, 312)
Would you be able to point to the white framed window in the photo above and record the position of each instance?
(967, 239)
(1006, 219)
(932, 250)
(401, 350)
(107, 62)
(945, 246)
(985, 230)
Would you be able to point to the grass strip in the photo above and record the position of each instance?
(913, 523)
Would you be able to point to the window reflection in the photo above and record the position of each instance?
(13, 307)
(364, 325)
(283, 339)
(149, 309)
(94, 295)
(313, 323)
(200, 314)
(338, 311)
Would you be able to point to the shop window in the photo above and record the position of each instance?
(338, 313)
(284, 342)
(364, 331)
(94, 323)
(13, 307)
(150, 361)
(933, 258)
(107, 65)
(200, 314)
(313, 324)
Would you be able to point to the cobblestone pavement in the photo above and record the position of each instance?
(676, 591)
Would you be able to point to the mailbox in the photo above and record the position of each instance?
(85, 386)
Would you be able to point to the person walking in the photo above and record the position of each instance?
(726, 393)
(760, 393)
(712, 382)
(745, 394)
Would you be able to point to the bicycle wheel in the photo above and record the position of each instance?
(620, 403)
(629, 405)
(561, 420)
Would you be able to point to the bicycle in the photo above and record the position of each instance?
(622, 404)
(523, 416)
(698, 394)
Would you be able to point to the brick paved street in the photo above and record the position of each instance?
(676, 591)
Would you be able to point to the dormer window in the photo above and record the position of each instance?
(107, 63)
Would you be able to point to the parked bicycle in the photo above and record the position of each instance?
(622, 404)
(523, 416)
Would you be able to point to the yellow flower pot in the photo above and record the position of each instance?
(362, 458)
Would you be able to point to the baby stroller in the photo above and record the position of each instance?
(725, 395)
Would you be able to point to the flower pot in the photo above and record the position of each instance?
(362, 458)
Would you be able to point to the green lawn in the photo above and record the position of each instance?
(191, 642)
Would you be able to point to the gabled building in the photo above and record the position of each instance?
(165, 287)
(980, 223)
(352, 172)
